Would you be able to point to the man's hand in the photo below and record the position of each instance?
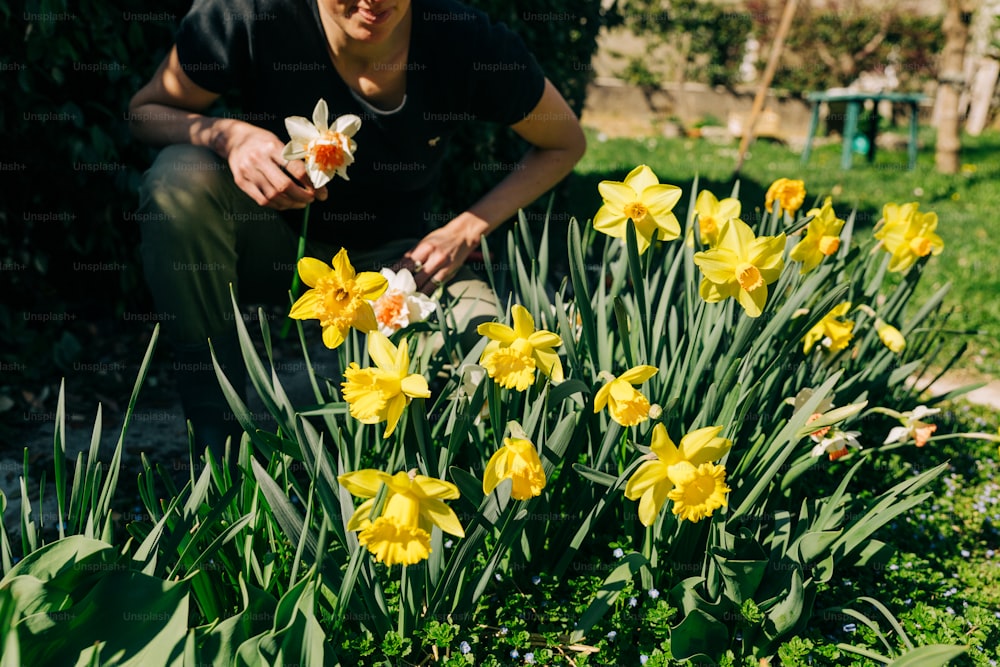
(439, 255)
(254, 157)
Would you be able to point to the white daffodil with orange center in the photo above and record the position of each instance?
(684, 474)
(413, 505)
(642, 199)
(907, 234)
(518, 461)
(835, 444)
(340, 298)
(741, 266)
(379, 394)
(913, 425)
(626, 404)
(513, 353)
(712, 212)
(328, 150)
(401, 305)
(822, 237)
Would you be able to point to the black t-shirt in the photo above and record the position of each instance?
(271, 57)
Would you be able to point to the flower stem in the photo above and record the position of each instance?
(295, 271)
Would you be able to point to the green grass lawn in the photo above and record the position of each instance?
(966, 205)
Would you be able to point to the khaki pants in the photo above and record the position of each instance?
(201, 234)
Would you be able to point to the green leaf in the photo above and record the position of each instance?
(606, 595)
(697, 637)
(932, 655)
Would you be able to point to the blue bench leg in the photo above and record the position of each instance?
(913, 137)
(850, 127)
(813, 126)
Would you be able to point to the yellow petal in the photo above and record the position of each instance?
(393, 411)
(371, 285)
(549, 363)
(610, 221)
(616, 195)
(718, 264)
(332, 337)
(641, 178)
(703, 445)
(381, 350)
(494, 471)
(601, 397)
(363, 483)
(652, 501)
(429, 487)
(543, 338)
(305, 308)
(648, 474)
(442, 516)
(663, 447)
(660, 199)
(524, 324)
(364, 318)
(496, 331)
(639, 374)
(360, 519)
(312, 270)
(342, 265)
(415, 386)
(753, 301)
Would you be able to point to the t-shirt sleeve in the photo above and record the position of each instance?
(213, 43)
(506, 81)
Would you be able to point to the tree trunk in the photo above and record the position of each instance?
(950, 80)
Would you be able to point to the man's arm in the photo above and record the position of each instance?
(167, 110)
(557, 142)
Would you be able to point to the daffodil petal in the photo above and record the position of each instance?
(332, 337)
(348, 125)
(371, 285)
(601, 397)
(753, 301)
(312, 270)
(652, 502)
(360, 519)
(363, 483)
(610, 221)
(524, 323)
(442, 516)
(617, 195)
(300, 128)
(393, 411)
(321, 114)
(703, 445)
(430, 487)
(415, 386)
(497, 332)
(639, 374)
(663, 446)
(342, 265)
(717, 264)
(305, 306)
(640, 178)
(381, 350)
(648, 474)
(660, 199)
(364, 318)
(544, 338)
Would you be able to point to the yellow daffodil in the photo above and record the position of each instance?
(327, 150)
(645, 201)
(822, 237)
(684, 474)
(712, 213)
(835, 444)
(788, 193)
(890, 336)
(512, 354)
(413, 504)
(913, 427)
(907, 234)
(833, 332)
(741, 266)
(626, 405)
(379, 394)
(339, 298)
(518, 461)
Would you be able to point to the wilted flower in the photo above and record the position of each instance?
(822, 237)
(741, 266)
(518, 461)
(328, 151)
(683, 474)
(833, 332)
(413, 504)
(339, 298)
(788, 193)
(512, 354)
(644, 200)
(907, 234)
(402, 304)
(380, 393)
(626, 405)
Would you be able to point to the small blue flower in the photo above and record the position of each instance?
(529, 658)
(498, 577)
(503, 631)
(653, 593)
(447, 544)
(965, 553)
(536, 580)
(514, 653)
(618, 552)
(464, 647)
(632, 602)
(612, 635)
(643, 658)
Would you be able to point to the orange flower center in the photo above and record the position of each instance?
(329, 156)
(748, 276)
(829, 244)
(837, 454)
(920, 245)
(923, 433)
(636, 210)
(389, 308)
(819, 433)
